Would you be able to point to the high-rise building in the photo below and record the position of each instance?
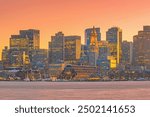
(127, 51)
(33, 36)
(25, 42)
(103, 64)
(72, 49)
(64, 49)
(141, 47)
(88, 35)
(114, 38)
(93, 48)
(56, 48)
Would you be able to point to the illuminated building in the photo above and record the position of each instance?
(127, 51)
(56, 48)
(72, 49)
(114, 38)
(21, 44)
(64, 49)
(93, 48)
(141, 47)
(33, 36)
(88, 35)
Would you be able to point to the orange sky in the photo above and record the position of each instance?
(71, 17)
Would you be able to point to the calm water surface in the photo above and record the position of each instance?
(74, 90)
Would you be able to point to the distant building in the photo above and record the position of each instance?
(88, 35)
(89, 53)
(127, 51)
(72, 49)
(64, 49)
(93, 48)
(34, 37)
(141, 47)
(56, 48)
(114, 38)
(103, 63)
(25, 42)
(39, 58)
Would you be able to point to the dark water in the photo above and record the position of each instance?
(74, 90)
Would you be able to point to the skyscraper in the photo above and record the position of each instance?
(141, 47)
(88, 35)
(64, 49)
(72, 49)
(25, 42)
(114, 38)
(127, 51)
(56, 48)
(33, 36)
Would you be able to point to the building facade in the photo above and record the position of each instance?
(127, 52)
(141, 47)
(88, 35)
(72, 49)
(114, 38)
(64, 49)
(56, 48)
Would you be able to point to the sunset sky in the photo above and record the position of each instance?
(72, 17)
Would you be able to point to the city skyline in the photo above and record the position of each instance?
(71, 17)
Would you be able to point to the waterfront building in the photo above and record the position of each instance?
(88, 35)
(77, 72)
(56, 69)
(141, 47)
(114, 38)
(72, 49)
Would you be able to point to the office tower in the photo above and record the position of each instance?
(25, 42)
(114, 38)
(127, 51)
(141, 47)
(72, 49)
(103, 64)
(33, 36)
(17, 42)
(56, 48)
(88, 35)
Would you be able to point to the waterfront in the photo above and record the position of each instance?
(75, 90)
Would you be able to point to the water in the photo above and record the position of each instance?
(131, 90)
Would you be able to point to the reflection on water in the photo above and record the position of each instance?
(74, 90)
